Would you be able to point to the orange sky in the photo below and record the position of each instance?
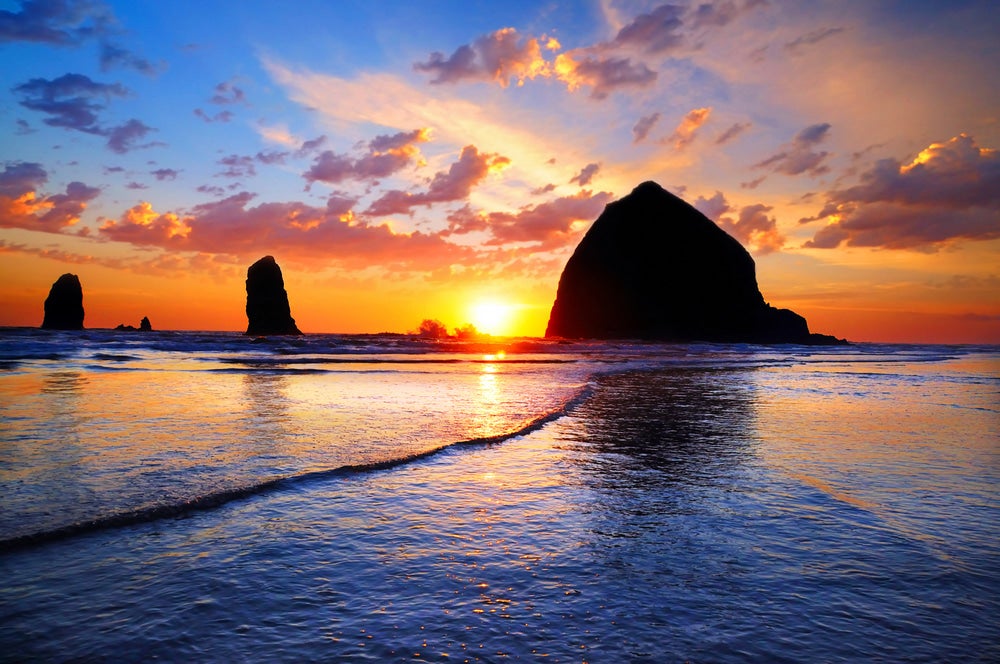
(448, 173)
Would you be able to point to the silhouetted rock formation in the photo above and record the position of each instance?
(64, 305)
(144, 326)
(267, 302)
(653, 267)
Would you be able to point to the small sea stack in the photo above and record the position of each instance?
(144, 326)
(653, 267)
(268, 311)
(64, 305)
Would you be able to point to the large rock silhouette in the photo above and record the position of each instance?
(268, 311)
(653, 267)
(64, 305)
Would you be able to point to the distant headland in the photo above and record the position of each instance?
(653, 267)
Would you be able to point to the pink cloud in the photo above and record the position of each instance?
(686, 131)
(499, 56)
(587, 174)
(22, 205)
(799, 157)
(751, 226)
(386, 155)
(455, 184)
(548, 225)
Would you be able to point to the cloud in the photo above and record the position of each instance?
(115, 56)
(231, 227)
(659, 31)
(795, 46)
(685, 132)
(601, 73)
(548, 225)
(124, 138)
(22, 205)
(221, 116)
(587, 174)
(237, 166)
(643, 126)
(751, 226)
(165, 174)
(227, 93)
(386, 155)
(71, 101)
(949, 191)
(499, 56)
(55, 22)
(471, 168)
(732, 132)
(798, 156)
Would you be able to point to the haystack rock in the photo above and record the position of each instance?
(653, 267)
(145, 325)
(268, 311)
(64, 305)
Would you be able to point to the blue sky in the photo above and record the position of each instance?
(407, 160)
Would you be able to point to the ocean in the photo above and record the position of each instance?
(213, 497)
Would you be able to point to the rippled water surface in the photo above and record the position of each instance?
(705, 504)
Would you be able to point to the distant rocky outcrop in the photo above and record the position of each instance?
(144, 326)
(268, 311)
(653, 267)
(64, 305)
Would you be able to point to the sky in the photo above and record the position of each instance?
(440, 160)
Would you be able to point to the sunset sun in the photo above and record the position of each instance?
(492, 317)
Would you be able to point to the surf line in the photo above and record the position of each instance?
(219, 498)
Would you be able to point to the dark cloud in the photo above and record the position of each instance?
(798, 157)
(795, 46)
(386, 155)
(126, 137)
(950, 191)
(20, 177)
(499, 56)
(221, 116)
(165, 174)
(455, 184)
(538, 191)
(55, 22)
(72, 101)
(752, 226)
(548, 225)
(732, 132)
(272, 157)
(115, 56)
(237, 166)
(23, 205)
(212, 190)
(23, 128)
(643, 126)
(136, 185)
(658, 31)
(587, 174)
(308, 147)
(227, 93)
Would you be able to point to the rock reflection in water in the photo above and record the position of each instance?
(685, 426)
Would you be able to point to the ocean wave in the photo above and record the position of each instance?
(219, 498)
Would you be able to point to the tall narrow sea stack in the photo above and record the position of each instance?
(64, 305)
(268, 311)
(653, 267)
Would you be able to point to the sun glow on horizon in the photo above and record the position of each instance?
(492, 317)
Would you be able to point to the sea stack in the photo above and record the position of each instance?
(64, 305)
(653, 267)
(268, 311)
(145, 325)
